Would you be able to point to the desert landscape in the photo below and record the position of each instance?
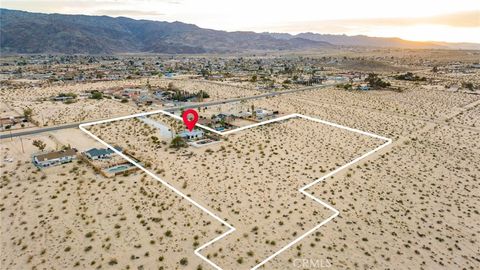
(310, 150)
(412, 203)
(215, 175)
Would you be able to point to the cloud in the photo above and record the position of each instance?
(464, 20)
(98, 7)
(459, 19)
(127, 12)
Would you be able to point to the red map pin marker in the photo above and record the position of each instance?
(190, 123)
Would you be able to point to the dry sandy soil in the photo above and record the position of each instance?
(67, 217)
(413, 205)
(251, 180)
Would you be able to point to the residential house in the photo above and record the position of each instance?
(190, 135)
(62, 98)
(242, 114)
(55, 158)
(100, 153)
(222, 117)
(364, 87)
(261, 113)
(8, 122)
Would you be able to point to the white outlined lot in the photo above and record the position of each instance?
(230, 227)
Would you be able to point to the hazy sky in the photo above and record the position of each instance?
(424, 20)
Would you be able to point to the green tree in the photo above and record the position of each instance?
(376, 82)
(202, 94)
(27, 113)
(178, 142)
(39, 144)
(184, 261)
(96, 95)
(69, 94)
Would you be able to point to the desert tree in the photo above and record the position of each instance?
(39, 144)
(27, 113)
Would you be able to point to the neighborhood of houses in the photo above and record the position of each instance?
(138, 95)
(11, 122)
(237, 118)
(103, 160)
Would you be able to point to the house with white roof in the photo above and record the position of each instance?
(190, 135)
(54, 158)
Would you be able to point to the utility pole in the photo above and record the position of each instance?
(21, 142)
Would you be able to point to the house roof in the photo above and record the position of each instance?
(187, 133)
(96, 152)
(57, 154)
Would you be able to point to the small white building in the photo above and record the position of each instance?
(242, 114)
(190, 135)
(261, 113)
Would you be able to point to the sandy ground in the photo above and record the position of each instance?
(255, 191)
(469, 117)
(414, 205)
(67, 217)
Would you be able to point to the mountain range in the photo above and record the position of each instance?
(34, 33)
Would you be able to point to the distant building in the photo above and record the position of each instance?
(243, 114)
(100, 153)
(160, 94)
(194, 134)
(55, 158)
(215, 77)
(11, 121)
(62, 98)
(364, 87)
(222, 117)
(261, 113)
(143, 99)
(134, 92)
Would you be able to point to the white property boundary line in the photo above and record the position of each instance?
(230, 227)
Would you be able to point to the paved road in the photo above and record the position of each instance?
(7, 135)
(38, 130)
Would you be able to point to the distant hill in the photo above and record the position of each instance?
(26, 32)
(366, 41)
